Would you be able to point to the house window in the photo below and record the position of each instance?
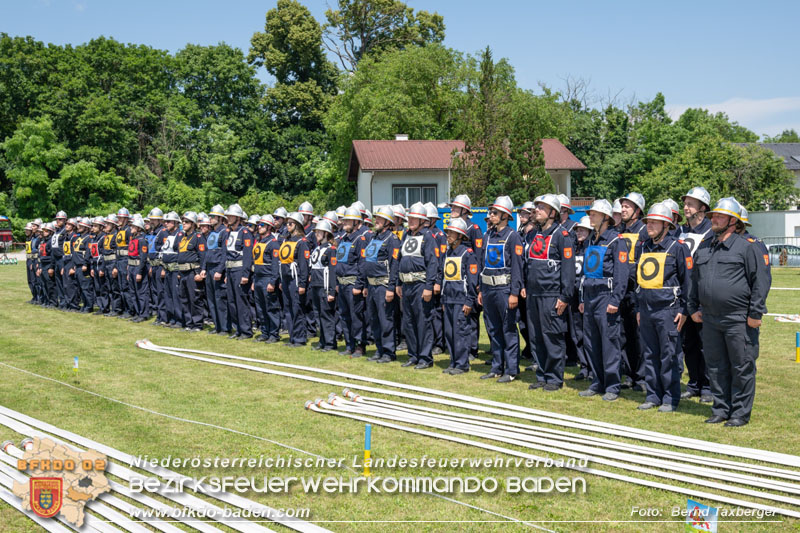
(408, 195)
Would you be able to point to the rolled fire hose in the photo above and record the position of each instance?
(12, 451)
(578, 452)
(488, 406)
(695, 493)
(580, 438)
(8, 417)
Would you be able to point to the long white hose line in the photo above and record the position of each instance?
(480, 404)
(582, 438)
(46, 523)
(563, 448)
(12, 452)
(587, 470)
(90, 522)
(604, 459)
(125, 522)
(182, 498)
(222, 428)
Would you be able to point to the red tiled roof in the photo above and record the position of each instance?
(558, 157)
(437, 155)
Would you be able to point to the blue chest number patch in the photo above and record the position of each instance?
(495, 258)
(212, 243)
(343, 251)
(151, 243)
(593, 261)
(371, 253)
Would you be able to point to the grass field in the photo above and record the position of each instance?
(45, 341)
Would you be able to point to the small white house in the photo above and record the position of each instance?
(404, 171)
(775, 224)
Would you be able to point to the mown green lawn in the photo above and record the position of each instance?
(45, 341)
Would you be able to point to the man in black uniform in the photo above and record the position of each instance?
(729, 283)
(695, 234)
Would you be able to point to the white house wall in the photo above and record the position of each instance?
(775, 223)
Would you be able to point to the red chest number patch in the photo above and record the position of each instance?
(539, 247)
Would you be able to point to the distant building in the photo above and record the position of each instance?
(790, 153)
(403, 171)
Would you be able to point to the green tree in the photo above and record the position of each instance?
(502, 153)
(82, 189)
(419, 91)
(754, 175)
(786, 136)
(359, 28)
(700, 122)
(33, 159)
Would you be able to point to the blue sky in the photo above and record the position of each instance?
(737, 57)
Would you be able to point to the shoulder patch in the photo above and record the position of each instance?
(478, 243)
(395, 251)
(565, 233)
(363, 238)
(766, 259)
(518, 249)
(567, 253)
(202, 247)
(473, 268)
(275, 252)
(363, 252)
(623, 257)
(247, 242)
(307, 254)
(333, 260)
(689, 262)
(751, 240)
(435, 251)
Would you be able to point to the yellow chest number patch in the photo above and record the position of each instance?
(286, 253)
(452, 269)
(631, 239)
(258, 253)
(28, 249)
(121, 242)
(107, 241)
(67, 248)
(650, 271)
(183, 246)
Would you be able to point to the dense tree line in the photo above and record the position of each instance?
(92, 127)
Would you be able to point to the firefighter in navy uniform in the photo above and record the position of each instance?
(418, 272)
(203, 231)
(266, 280)
(238, 260)
(676, 217)
(323, 285)
(294, 255)
(95, 250)
(67, 273)
(501, 285)
(213, 269)
(121, 277)
(461, 207)
(57, 246)
(189, 244)
(138, 280)
(333, 218)
(616, 210)
(729, 282)
(30, 260)
(436, 313)
(566, 210)
(400, 219)
(605, 281)
(154, 266)
(695, 234)
(169, 258)
(583, 233)
(378, 274)
(47, 266)
(634, 231)
(526, 228)
(663, 278)
(108, 253)
(307, 210)
(348, 282)
(549, 283)
(82, 260)
(459, 280)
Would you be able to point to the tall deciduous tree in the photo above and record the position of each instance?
(502, 154)
(362, 27)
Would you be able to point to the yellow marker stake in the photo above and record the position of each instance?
(367, 446)
(797, 347)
